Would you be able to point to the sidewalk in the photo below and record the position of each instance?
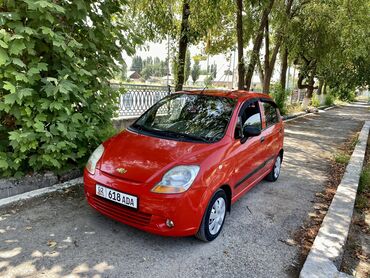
(61, 235)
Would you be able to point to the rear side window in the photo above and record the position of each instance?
(271, 114)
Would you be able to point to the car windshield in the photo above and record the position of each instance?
(188, 117)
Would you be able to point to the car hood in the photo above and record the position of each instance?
(144, 157)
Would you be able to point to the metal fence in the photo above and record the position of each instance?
(136, 99)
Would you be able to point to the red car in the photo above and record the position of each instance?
(178, 168)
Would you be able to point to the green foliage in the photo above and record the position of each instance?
(280, 96)
(329, 100)
(345, 94)
(187, 66)
(341, 158)
(56, 60)
(315, 100)
(195, 71)
(137, 64)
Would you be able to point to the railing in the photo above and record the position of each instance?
(138, 98)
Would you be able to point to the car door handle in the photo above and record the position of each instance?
(262, 139)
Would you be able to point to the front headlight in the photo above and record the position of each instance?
(94, 158)
(177, 180)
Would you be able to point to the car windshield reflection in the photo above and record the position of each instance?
(188, 117)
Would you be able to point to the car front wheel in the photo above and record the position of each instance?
(214, 217)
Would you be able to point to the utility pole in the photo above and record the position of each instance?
(168, 60)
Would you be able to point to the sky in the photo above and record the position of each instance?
(160, 50)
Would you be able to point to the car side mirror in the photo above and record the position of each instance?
(250, 131)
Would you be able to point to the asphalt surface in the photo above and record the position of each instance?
(60, 235)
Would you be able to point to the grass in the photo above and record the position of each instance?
(340, 102)
(341, 158)
(361, 202)
(294, 108)
(364, 184)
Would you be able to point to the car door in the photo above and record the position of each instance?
(247, 155)
(273, 130)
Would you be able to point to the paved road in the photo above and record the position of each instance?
(89, 244)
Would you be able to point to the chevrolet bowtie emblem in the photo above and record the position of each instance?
(121, 170)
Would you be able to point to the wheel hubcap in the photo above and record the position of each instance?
(277, 167)
(217, 216)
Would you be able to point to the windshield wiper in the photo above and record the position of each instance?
(171, 134)
(184, 135)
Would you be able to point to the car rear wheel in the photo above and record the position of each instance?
(275, 171)
(214, 217)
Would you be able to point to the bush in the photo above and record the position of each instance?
(56, 103)
(315, 100)
(280, 96)
(329, 100)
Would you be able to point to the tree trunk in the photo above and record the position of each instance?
(284, 67)
(183, 45)
(320, 95)
(270, 62)
(266, 80)
(257, 45)
(260, 71)
(239, 31)
(309, 91)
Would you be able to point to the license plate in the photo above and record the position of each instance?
(115, 196)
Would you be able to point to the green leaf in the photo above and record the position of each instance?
(33, 71)
(3, 57)
(25, 92)
(3, 44)
(16, 47)
(18, 62)
(62, 128)
(9, 86)
(20, 77)
(3, 164)
(39, 126)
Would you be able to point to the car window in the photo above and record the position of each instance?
(249, 115)
(189, 117)
(271, 114)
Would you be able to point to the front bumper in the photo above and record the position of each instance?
(185, 209)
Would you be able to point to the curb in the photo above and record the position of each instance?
(39, 192)
(325, 256)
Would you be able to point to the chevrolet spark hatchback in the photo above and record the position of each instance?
(179, 167)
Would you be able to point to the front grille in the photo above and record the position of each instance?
(120, 212)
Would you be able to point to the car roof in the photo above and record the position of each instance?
(236, 94)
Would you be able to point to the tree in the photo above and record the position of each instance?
(56, 102)
(240, 40)
(187, 22)
(195, 72)
(257, 42)
(283, 15)
(183, 45)
(137, 64)
(187, 66)
(213, 71)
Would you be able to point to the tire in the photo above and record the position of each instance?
(209, 230)
(275, 171)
